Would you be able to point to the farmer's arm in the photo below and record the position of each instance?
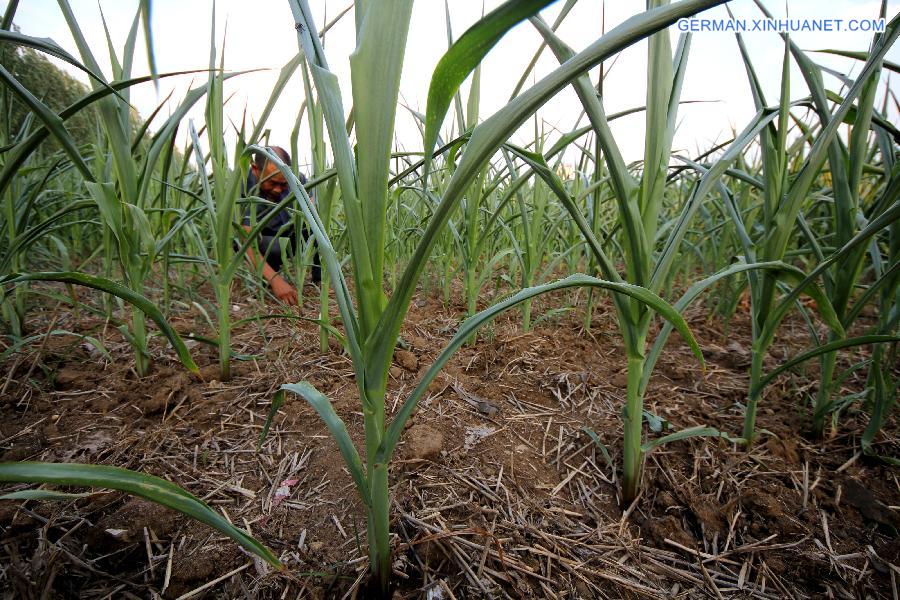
(281, 288)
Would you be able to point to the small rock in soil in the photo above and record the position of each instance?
(423, 442)
(407, 360)
(737, 355)
(477, 402)
(438, 385)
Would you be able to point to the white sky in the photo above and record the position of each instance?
(264, 37)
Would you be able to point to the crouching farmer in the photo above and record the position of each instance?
(267, 182)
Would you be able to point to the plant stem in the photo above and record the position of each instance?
(526, 315)
(379, 520)
(471, 290)
(753, 399)
(13, 311)
(823, 397)
(139, 332)
(223, 300)
(633, 421)
(379, 509)
(588, 311)
(323, 312)
(881, 400)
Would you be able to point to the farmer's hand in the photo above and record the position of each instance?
(283, 290)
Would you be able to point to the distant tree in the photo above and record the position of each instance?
(50, 84)
(56, 88)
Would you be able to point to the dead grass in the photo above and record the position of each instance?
(497, 491)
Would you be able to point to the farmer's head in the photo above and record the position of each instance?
(271, 181)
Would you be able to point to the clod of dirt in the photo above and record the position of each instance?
(667, 528)
(737, 355)
(666, 500)
(620, 379)
(783, 448)
(407, 360)
(396, 372)
(734, 355)
(165, 394)
(423, 442)
(861, 498)
(417, 341)
(66, 377)
(200, 566)
(772, 512)
(439, 384)
(128, 522)
(210, 372)
(708, 512)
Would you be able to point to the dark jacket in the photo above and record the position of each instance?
(281, 226)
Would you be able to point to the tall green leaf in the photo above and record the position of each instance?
(116, 289)
(149, 487)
